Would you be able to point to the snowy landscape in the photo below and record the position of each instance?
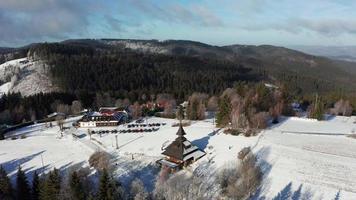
(177, 100)
(300, 157)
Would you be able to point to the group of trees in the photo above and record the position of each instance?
(248, 107)
(15, 108)
(76, 185)
(242, 180)
(319, 107)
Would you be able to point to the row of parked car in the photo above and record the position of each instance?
(145, 125)
(125, 131)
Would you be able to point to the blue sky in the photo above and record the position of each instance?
(218, 22)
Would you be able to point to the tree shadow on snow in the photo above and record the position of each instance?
(300, 194)
(13, 165)
(337, 196)
(203, 142)
(133, 169)
(281, 121)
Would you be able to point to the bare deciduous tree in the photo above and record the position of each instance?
(76, 107)
(342, 107)
(184, 186)
(259, 120)
(119, 103)
(136, 110)
(196, 106)
(60, 122)
(63, 108)
(126, 103)
(99, 160)
(169, 107)
(138, 191)
(213, 104)
(241, 182)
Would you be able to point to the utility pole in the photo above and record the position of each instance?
(42, 163)
(117, 145)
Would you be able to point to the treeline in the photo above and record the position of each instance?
(74, 185)
(11, 54)
(15, 109)
(247, 97)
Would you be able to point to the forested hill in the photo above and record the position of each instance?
(83, 68)
(184, 66)
(181, 67)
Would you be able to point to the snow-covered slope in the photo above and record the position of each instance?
(300, 158)
(25, 76)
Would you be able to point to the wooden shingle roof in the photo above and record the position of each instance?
(180, 147)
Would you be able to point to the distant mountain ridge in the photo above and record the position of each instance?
(300, 70)
(345, 53)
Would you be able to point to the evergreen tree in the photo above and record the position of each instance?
(317, 109)
(35, 186)
(223, 115)
(23, 189)
(51, 186)
(107, 187)
(5, 185)
(76, 187)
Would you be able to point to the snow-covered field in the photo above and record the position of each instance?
(299, 157)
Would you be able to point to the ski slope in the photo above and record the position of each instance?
(300, 158)
(31, 77)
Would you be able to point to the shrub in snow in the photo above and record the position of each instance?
(99, 160)
(183, 186)
(241, 182)
(138, 191)
(232, 131)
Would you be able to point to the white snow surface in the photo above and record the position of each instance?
(300, 158)
(31, 77)
(4, 88)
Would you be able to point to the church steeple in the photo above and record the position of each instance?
(181, 131)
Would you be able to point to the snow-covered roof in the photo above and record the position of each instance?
(195, 155)
(55, 114)
(181, 148)
(95, 114)
(189, 149)
(168, 163)
(107, 108)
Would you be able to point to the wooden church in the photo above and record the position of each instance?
(181, 152)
